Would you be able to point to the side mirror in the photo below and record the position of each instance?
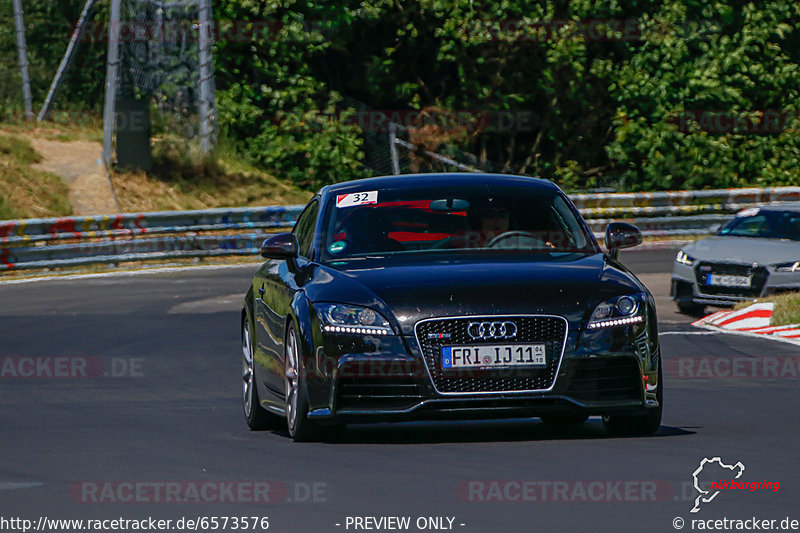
(280, 246)
(621, 235)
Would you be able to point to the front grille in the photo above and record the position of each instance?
(548, 330)
(601, 379)
(370, 387)
(758, 274)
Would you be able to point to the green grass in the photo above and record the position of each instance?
(182, 179)
(17, 150)
(60, 126)
(26, 191)
(786, 311)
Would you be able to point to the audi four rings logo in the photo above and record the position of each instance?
(492, 330)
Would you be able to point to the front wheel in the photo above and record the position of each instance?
(257, 417)
(638, 425)
(301, 429)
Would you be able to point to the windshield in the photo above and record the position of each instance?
(765, 225)
(483, 219)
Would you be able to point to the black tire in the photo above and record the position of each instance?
(301, 429)
(638, 425)
(257, 417)
(691, 309)
(564, 420)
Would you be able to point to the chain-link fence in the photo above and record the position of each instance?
(164, 73)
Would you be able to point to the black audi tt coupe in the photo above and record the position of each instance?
(448, 296)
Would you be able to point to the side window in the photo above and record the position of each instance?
(569, 224)
(793, 227)
(747, 226)
(304, 229)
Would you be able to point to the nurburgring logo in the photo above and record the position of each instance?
(711, 490)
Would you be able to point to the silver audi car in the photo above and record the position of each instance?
(754, 255)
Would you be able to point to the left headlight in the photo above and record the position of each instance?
(619, 311)
(341, 318)
(684, 258)
(788, 267)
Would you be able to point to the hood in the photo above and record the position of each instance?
(568, 286)
(744, 250)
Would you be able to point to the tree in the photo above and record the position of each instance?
(710, 103)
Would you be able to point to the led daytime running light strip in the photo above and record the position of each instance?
(355, 329)
(616, 322)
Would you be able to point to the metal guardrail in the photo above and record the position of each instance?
(746, 196)
(70, 241)
(672, 226)
(37, 229)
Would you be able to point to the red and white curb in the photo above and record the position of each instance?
(752, 320)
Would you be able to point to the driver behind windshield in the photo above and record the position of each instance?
(495, 225)
(486, 223)
(494, 221)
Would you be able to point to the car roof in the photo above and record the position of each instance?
(788, 206)
(440, 179)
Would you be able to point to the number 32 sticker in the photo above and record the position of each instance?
(357, 198)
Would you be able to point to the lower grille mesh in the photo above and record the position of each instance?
(378, 386)
(601, 379)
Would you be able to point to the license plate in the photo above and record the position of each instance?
(493, 355)
(728, 281)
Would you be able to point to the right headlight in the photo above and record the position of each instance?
(342, 318)
(788, 267)
(619, 311)
(684, 258)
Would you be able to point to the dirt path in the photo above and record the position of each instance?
(79, 164)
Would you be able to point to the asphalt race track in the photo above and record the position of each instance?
(158, 418)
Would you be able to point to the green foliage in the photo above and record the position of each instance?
(281, 117)
(677, 91)
(49, 26)
(530, 62)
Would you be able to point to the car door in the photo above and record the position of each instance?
(274, 287)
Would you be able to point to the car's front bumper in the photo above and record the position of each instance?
(525, 406)
(686, 288)
(393, 383)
